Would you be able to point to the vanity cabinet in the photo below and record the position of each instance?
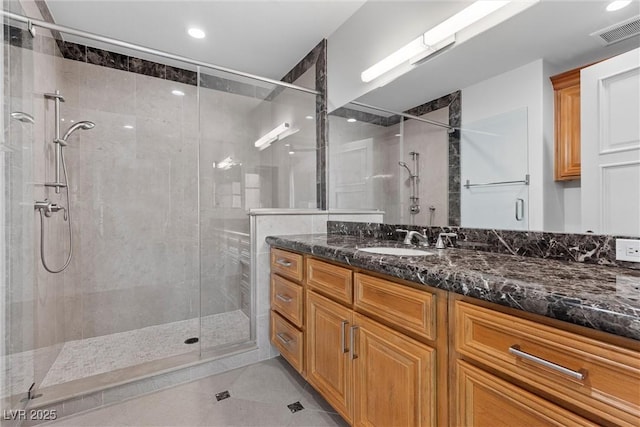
(593, 378)
(566, 87)
(287, 299)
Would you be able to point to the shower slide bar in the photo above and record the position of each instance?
(72, 31)
(525, 181)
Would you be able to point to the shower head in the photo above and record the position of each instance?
(404, 165)
(80, 125)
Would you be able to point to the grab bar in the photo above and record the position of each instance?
(525, 182)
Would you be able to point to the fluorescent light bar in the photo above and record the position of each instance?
(392, 61)
(437, 38)
(461, 20)
(266, 140)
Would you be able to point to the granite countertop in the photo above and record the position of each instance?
(598, 297)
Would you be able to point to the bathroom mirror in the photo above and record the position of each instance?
(498, 84)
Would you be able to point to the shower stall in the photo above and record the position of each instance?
(158, 183)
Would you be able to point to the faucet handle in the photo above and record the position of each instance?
(440, 243)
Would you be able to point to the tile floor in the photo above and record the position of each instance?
(106, 353)
(259, 395)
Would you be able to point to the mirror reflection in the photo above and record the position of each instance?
(511, 124)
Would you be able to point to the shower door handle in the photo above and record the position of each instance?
(519, 209)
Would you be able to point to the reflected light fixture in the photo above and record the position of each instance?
(617, 5)
(224, 164)
(308, 117)
(435, 39)
(128, 126)
(177, 92)
(196, 33)
(351, 120)
(281, 131)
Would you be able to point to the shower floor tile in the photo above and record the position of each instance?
(92, 356)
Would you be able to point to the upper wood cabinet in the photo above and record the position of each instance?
(566, 87)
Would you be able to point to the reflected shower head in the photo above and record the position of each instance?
(80, 125)
(404, 165)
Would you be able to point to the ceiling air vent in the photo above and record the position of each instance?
(619, 31)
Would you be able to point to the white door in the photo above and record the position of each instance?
(610, 147)
(351, 168)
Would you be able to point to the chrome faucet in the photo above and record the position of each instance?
(423, 240)
(440, 243)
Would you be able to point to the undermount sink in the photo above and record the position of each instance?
(382, 250)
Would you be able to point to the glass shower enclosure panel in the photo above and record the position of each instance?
(19, 353)
(257, 150)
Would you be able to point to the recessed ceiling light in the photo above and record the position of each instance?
(177, 92)
(127, 127)
(397, 134)
(617, 5)
(196, 33)
(292, 152)
(351, 120)
(309, 117)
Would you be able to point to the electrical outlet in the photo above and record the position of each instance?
(628, 250)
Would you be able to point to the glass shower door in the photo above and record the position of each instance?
(18, 358)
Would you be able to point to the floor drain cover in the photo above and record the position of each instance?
(191, 340)
(295, 407)
(221, 396)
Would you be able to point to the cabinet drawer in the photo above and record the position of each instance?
(609, 389)
(286, 299)
(288, 340)
(400, 306)
(486, 400)
(330, 280)
(286, 264)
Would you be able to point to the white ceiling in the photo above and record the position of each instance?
(265, 37)
(269, 37)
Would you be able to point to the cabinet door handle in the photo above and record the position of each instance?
(352, 338)
(343, 332)
(578, 375)
(283, 262)
(284, 298)
(284, 338)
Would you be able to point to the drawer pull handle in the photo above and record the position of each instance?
(284, 338)
(283, 262)
(283, 298)
(353, 329)
(578, 375)
(343, 332)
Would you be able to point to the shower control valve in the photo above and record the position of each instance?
(49, 208)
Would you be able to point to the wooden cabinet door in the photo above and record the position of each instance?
(486, 400)
(394, 378)
(329, 367)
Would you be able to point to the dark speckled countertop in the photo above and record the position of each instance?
(602, 298)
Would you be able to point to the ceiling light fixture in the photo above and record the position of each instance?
(617, 5)
(308, 117)
(435, 39)
(177, 92)
(351, 120)
(281, 131)
(196, 33)
(128, 126)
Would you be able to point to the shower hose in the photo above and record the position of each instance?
(67, 219)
